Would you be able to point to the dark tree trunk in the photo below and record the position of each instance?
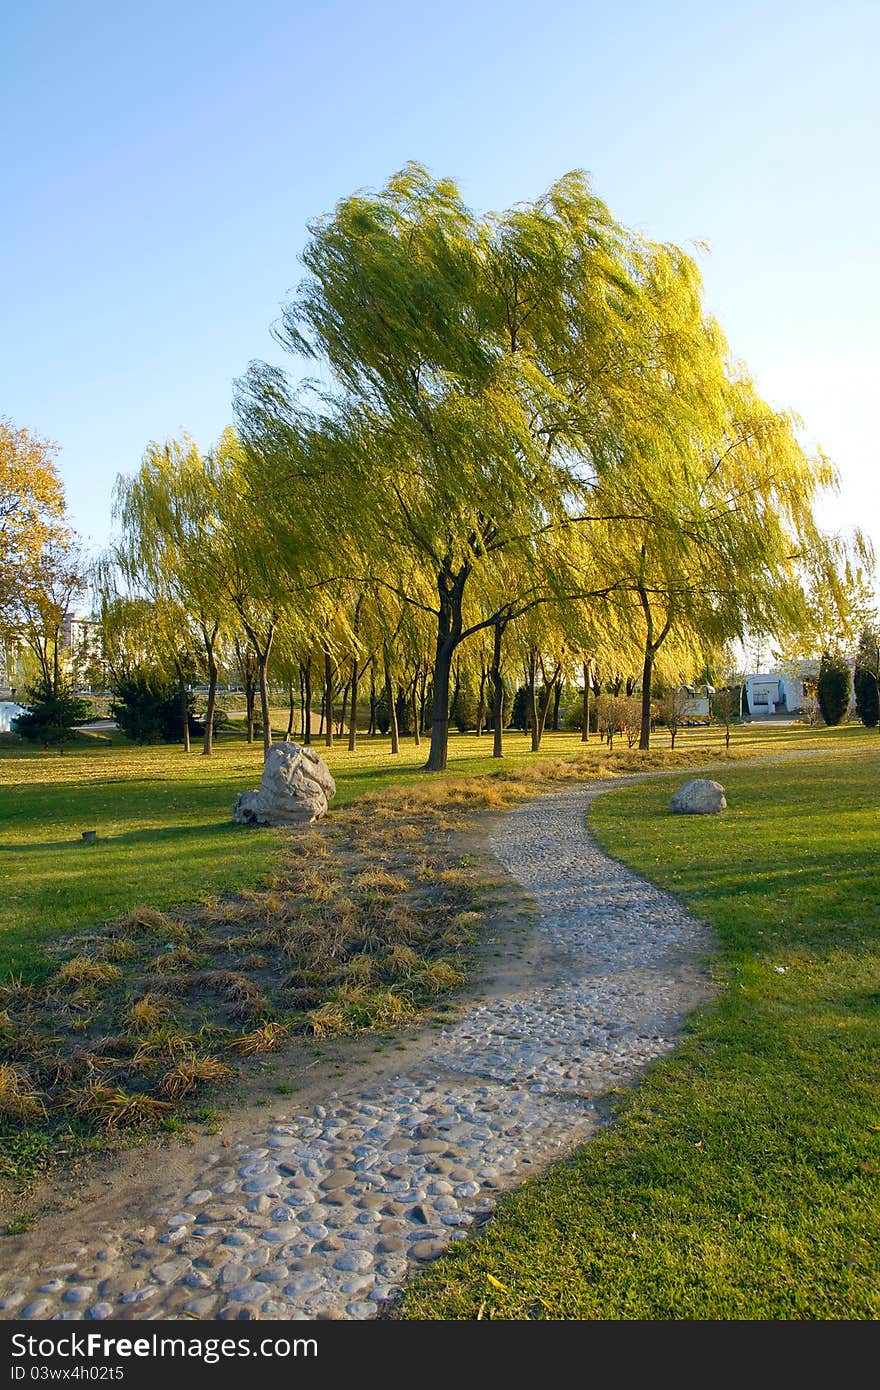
(450, 588)
(328, 699)
(307, 709)
(264, 702)
(414, 704)
(497, 692)
(373, 703)
(557, 696)
(391, 700)
(184, 711)
(585, 731)
(539, 712)
(481, 702)
(352, 728)
(647, 674)
(423, 700)
(210, 641)
(262, 651)
(437, 755)
(250, 698)
(291, 710)
(340, 727)
(532, 699)
(456, 688)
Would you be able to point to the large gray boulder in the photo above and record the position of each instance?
(699, 798)
(296, 789)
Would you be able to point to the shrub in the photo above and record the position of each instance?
(51, 716)
(464, 708)
(833, 687)
(147, 709)
(867, 673)
(867, 702)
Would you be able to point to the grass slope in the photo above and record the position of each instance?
(165, 836)
(741, 1178)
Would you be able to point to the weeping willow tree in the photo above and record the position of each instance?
(172, 542)
(525, 409)
(482, 366)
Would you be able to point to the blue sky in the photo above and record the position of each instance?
(161, 163)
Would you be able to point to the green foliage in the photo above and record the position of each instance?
(833, 688)
(867, 674)
(404, 715)
(867, 702)
(147, 709)
(519, 715)
(464, 707)
(51, 715)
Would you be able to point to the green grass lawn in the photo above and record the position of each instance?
(741, 1178)
(165, 836)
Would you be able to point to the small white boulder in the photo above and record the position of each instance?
(699, 798)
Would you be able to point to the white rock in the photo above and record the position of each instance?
(296, 788)
(699, 798)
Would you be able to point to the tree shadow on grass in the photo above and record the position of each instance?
(165, 834)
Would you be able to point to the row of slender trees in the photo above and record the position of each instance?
(525, 435)
(516, 443)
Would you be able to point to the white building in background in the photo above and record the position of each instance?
(780, 692)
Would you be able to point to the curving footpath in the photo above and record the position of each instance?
(327, 1213)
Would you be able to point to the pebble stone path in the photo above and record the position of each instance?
(327, 1214)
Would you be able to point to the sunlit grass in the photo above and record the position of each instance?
(741, 1179)
(163, 819)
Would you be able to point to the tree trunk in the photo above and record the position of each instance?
(184, 712)
(647, 673)
(539, 714)
(344, 711)
(585, 730)
(557, 696)
(497, 693)
(291, 710)
(391, 701)
(437, 755)
(352, 728)
(532, 704)
(212, 691)
(481, 702)
(307, 705)
(371, 732)
(456, 688)
(423, 700)
(250, 696)
(264, 701)
(450, 588)
(328, 699)
(414, 699)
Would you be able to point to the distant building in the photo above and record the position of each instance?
(79, 645)
(781, 692)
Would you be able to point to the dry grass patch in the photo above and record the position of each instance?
(83, 970)
(266, 1038)
(19, 1098)
(112, 1106)
(147, 1013)
(191, 1072)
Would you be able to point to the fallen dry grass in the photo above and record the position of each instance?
(366, 923)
